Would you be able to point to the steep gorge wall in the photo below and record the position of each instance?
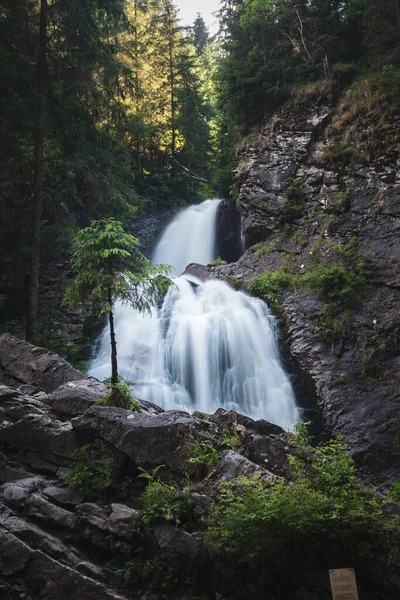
(316, 180)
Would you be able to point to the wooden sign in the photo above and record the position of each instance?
(343, 584)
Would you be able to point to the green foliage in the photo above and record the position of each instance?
(333, 324)
(395, 493)
(327, 507)
(54, 336)
(217, 262)
(91, 476)
(208, 451)
(109, 267)
(115, 99)
(235, 283)
(270, 247)
(346, 279)
(120, 396)
(271, 283)
(332, 224)
(162, 500)
(335, 282)
(152, 574)
(293, 206)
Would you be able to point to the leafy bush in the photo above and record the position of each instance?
(332, 324)
(91, 476)
(346, 279)
(335, 282)
(270, 283)
(162, 500)
(209, 451)
(326, 508)
(153, 574)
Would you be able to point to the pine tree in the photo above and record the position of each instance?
(109, 267)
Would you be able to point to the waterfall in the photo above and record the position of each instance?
(208, 346)
(242, 235)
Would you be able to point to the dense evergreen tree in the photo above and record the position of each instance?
(97, 108)
(201, 36)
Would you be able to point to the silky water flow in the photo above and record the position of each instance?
(208, 346)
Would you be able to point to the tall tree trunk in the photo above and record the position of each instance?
(137, 76)
(114, 363)
(172, 87)
(31, 325)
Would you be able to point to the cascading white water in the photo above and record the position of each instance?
(208, 346)
(189, 238)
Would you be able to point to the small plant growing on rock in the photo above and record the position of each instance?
(163, 501)
(90, 476)
(120, 396)
(235, 283)
(218, 262)
(209, 451)
(271, 282)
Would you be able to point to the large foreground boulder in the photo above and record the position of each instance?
(147, 439)
(27, 364)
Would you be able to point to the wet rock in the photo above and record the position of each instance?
(175, 542)
(202, 272)
(233, 464)
(55, 580)
(17, 496)
(34, 366)
(46, 511)
(14, 554)
(74, 397)
(53, 440)
(122, 521)
(145, 439)
(228, 232)
(63, 496)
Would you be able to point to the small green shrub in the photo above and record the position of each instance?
(235, 283)
(91, 476)
(217, 262)
(332, 224)
(162, 500)
(209, 451)
(395, 493)
(332, 324)
(270, 247)
(326, 508)
(335, 282)
(293, 206)
(154, 574)
(271, 282)
(342, 153)
(119, 396)
(346, 279)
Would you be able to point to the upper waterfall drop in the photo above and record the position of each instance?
(189, 238)
(208, 346)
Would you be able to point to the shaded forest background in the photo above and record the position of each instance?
(135, 111)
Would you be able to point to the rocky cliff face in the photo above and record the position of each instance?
(54, 543)
(305, 197)
(58, 543)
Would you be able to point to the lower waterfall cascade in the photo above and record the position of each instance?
(208, 346)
